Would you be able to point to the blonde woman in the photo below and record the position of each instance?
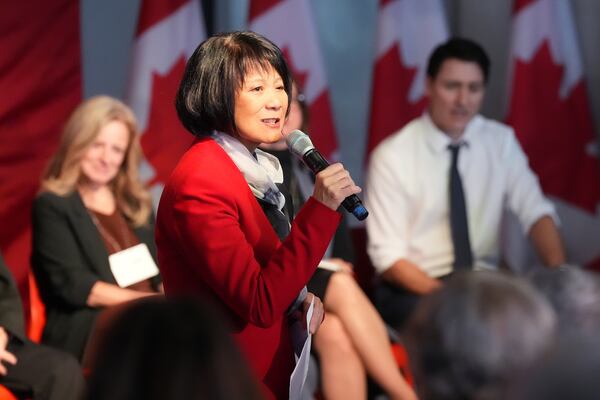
(92, 204)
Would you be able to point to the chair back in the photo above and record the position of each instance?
(37, 311)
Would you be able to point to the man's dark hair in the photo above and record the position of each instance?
(205, 101)
(460, 49)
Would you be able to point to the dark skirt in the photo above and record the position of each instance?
(318, 283)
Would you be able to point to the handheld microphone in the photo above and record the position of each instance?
(300, 145)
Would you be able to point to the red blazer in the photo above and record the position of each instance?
(214, 240)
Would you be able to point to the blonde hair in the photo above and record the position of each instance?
(63, 174)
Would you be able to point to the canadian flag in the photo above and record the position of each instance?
(167, 34)
(550, 113)
(407, 32)
(289, 24)
(40, 85)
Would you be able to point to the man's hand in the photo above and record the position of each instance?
(5, 355)
(408, 275)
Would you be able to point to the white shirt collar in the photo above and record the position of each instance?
(438, 141)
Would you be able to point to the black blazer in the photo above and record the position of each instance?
(11, 310)
(68, 258)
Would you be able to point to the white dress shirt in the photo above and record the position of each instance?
(407, 194)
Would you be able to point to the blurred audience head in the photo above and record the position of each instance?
(574, 294)
(161, 349)
(466, 340)
(100, 146)
(569, 371)
(459, 49)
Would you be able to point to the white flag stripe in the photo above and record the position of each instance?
(157, 49)
(417, 26)
(295, 34)
(552, 21)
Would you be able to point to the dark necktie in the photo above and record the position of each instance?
(463, 257)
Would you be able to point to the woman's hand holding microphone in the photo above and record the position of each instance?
(333, 185)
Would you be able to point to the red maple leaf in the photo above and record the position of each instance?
(165, 139)
(390, 107)
(320, 125)
(40, 82)
(519, 5)
(258, 7)
(299, 75)
(555, 133)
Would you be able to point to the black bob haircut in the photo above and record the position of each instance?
(461, 49)
(205, 100)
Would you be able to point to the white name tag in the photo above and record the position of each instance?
(132, 265)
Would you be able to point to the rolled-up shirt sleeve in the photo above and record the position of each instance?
(386, 199)
(524, 195)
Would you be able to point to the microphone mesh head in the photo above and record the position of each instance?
(298, 143)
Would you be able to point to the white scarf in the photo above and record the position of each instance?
(262, 171)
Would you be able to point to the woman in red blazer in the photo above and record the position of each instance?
(212, 235)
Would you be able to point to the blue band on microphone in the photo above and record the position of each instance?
(360, 212)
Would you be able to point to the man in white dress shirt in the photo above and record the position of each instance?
(451, 154)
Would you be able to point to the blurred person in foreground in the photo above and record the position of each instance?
(574, 293)
(569, 371)
(91, 215)
(214, 239)
(473, 337)
(352, 340)
(169, 349)
(437, 189)
(28, 369)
